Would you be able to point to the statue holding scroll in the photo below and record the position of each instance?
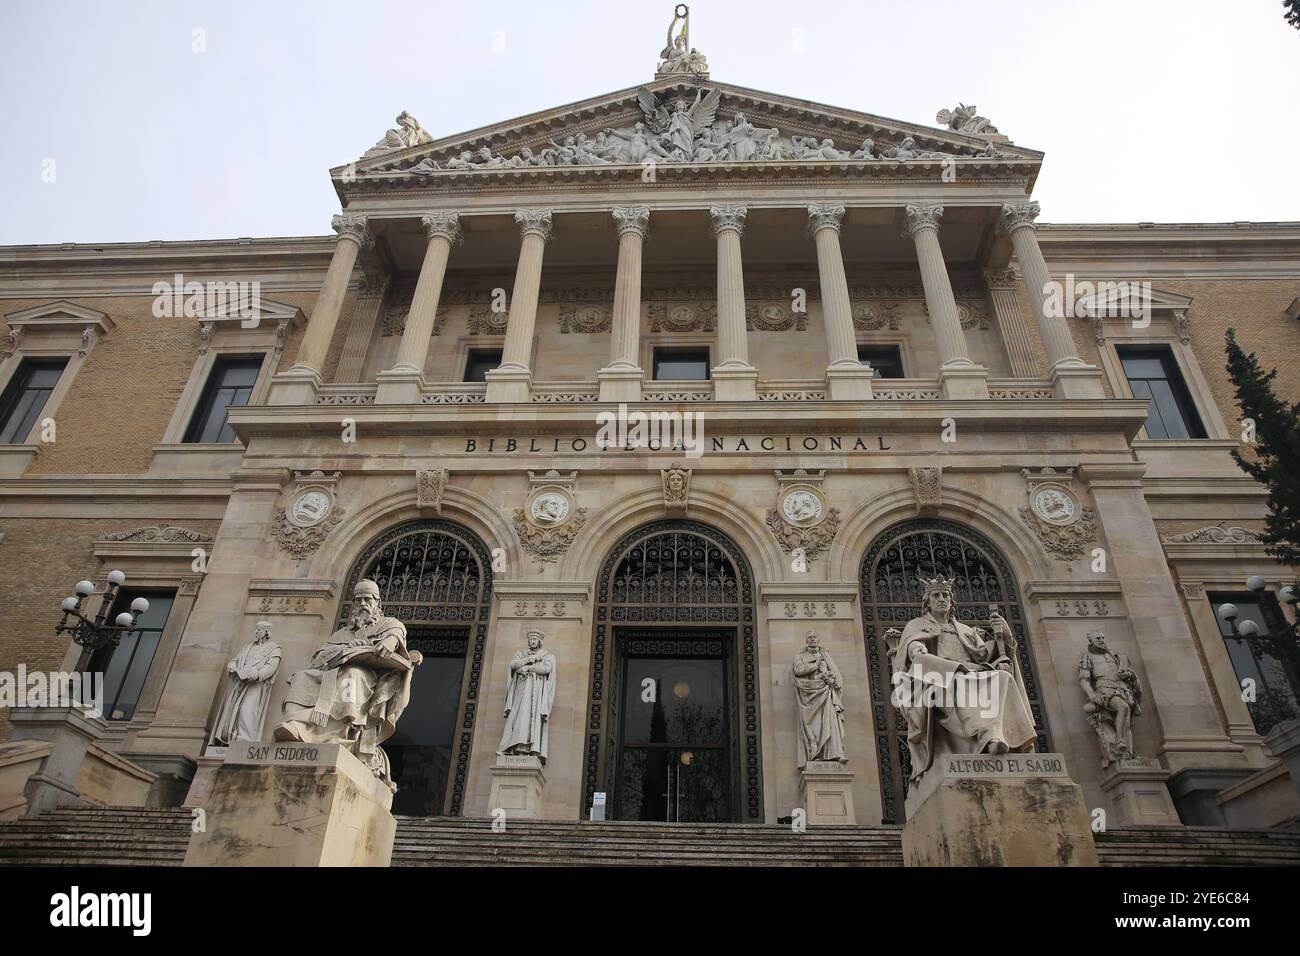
(819, 687)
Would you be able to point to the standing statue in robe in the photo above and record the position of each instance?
(252, 674)
(960, 691)
(357, 686)
(820, 688)
(529, 699)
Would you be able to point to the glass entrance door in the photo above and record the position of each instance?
(675, 751)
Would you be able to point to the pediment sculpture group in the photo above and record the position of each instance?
(958, 687)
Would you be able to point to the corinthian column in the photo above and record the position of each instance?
(299, 385)
(846, 377)
(404, 382)
(734, 379)
(513, 380)
(959, 377)
(1071, 377)
(620, 381)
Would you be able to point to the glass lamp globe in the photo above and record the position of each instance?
(84, 588)
(1288, 594)
(139, 605)
(70, 603)
(116, 577)
(125, 619)
(1248, 629)
(1228, 612)
(1255, 582)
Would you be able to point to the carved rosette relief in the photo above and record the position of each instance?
(1062, 525)
(586, 318)
(484, 321)
(774, 317)
(971, 316)
(684, 317)
(801, 521)
(871, 316)
(550, 521)
(429, 488)
(677, 487)
(312, 513)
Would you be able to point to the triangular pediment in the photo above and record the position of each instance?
(678, 122)
(60, 315)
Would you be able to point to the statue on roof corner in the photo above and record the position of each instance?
(964, 120)
(677, 55)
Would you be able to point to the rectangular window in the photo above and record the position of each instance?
(126, 666)
(1270, 663)
(681, 365)
(230, 385)
(1153, 375)
(480, 362)
(886, 361)
(25, 398)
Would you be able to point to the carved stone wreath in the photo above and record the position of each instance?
(1064, 542)
(774, 317)
(1215, 534)
(813, 541)
(302, 542)
(869, 317)
(483, 321)
(683, 318)
(163, 533)
(586, 318)
(971, 317)
(547, 544)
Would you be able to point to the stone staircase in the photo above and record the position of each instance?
(132, 836)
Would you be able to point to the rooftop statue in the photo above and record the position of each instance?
(964, 120)
(677, 55)
(409, 133)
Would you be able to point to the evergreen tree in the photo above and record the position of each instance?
(1276, 458)
(1292, 14)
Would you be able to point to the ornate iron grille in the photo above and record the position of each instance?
(674, 572)
(431, 570)
(891, 596)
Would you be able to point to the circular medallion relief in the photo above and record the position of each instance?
(1054, 505)
(801, 507)
(549, 508)
(311, 507)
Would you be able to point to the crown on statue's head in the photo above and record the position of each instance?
(931, 585)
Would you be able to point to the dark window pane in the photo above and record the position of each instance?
(1270, 660)
(1153, 376)
(126, 666)
(230, 385)
(480, 362)
(25, 397)
(681, 365)
(886, 361)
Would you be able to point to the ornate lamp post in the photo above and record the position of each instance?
(92, 635)
(1256, 583)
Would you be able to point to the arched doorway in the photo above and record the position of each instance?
(673, 710)
(891, 596)
(436, 578)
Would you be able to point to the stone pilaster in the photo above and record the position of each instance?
(620, 381)
(361, 330)
(734, 379)
(1071, 377)
(959, 377)
(1011, 322)
(404, 382)
(513, 381)
(299, 385)
(846, 377)
(1193, 735)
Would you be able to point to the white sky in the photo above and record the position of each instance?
(1148, 110)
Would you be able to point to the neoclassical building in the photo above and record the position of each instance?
(832, 352)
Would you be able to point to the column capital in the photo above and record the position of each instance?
(921, 215)
(444, 224)
(632, 219)
(534, 222)
(825, 216)
(728, 217)
(354, 228)
(1016, 215)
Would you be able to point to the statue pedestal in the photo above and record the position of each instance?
(517, 786)
(201, 785)
(1010, 810)
(293, 804)
(1138, 793)
(70, 732)
(826, 792)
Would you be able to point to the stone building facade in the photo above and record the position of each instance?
(860, 330)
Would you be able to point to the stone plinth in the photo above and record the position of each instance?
(517, 786)
(290, 804)
(201, 786)
(1138, 794)
(18, 761)
(826, 792)
(1010, 810)
(70, 731)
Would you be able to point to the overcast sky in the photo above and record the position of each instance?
(1148, 110)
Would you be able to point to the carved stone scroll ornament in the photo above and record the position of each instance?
(811, 541)
(302, 542)
(429, 488)
(159, 534)
(547, 544)
(1216, 534)
(1064, 542)
(927, 485)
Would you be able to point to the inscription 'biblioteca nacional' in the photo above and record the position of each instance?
(740, 443)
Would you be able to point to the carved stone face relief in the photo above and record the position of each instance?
(550, 509)
(802, 507)
(310, 508)
(1055, 505)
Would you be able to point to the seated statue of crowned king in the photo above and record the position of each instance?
(356, 686)
(959, 689)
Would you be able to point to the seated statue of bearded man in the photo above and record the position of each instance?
(357, 686)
